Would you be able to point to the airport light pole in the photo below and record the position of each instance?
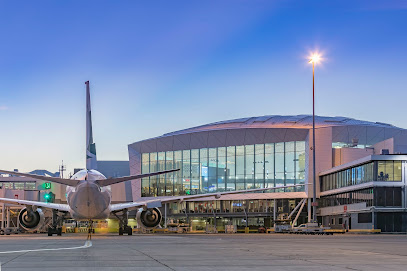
(314, 59)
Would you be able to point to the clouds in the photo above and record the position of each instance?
(3, 108)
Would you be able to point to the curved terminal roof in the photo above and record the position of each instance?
(278, 121)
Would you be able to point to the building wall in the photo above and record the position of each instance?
(345, 155)
(366, 135)
(387, 144)
(135, 169)
(121, 192)
(323, 152)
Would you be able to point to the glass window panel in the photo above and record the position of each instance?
(161, 178)
(145, 163)
(269, 164)
(221, 171)
(30, 186)
(289, 164)
(240, 181)
(381, 169)
(358, 175)
(19, 186)
(212, 181)
(249, 177)
(231, 169)
(279, 147)
(169, 179)
(389, 171)
(222, 151)
(371, 172)
(353, 170)
(300, 162)
(145, 187)
(397, 171)
(259, 165)
(153, 186)
(279, 179)
(397, 196)
(279, 164)
(178, 174)
(186, 171)
(240, 160)
(203, 156)
(153, 179)
(195, 172)
(153, 162)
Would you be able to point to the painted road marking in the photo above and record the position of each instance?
(87, 244)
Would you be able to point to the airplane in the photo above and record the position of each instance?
(89, 195)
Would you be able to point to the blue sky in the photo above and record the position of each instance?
(160, 66)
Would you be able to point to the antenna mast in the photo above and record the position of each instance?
(62, 168)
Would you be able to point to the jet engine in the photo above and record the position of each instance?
(149, 218)
(31, 220)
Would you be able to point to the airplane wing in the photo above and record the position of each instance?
(61, 207)
(157, 202)
(69, 182)
(107, 182)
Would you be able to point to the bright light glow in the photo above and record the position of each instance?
(315, 58)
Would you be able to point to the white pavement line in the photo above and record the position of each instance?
(86, 245)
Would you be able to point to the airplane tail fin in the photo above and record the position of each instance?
(91, 162)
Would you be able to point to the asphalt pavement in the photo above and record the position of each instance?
(187, 252)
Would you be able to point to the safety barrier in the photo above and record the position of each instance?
(160, 230)
(248, 230)
(335, 231)
(365, 231)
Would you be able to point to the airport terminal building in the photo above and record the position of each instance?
(360, 166)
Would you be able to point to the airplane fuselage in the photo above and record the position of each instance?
(88, 200)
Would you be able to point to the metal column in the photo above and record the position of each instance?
(274, 211)
(165, 215)
(3, 210)
(309, 210)
(8, 217)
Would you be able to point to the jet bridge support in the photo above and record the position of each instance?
(296, 208)
(299, 211)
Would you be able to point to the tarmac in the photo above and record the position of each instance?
(185, 252)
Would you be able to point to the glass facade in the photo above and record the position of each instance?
(378, 196)
(237, 207)
(373, 171)
(389, 171)
(18, 185)
(338, 145)
(364, 195)
(221, 169)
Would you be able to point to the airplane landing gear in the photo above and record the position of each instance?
(123, 223)
(56, 227)
(90, 230)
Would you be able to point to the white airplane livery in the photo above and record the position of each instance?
(89, 195)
